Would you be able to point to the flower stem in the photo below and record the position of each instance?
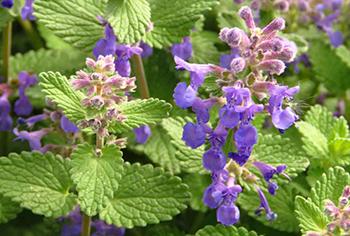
(85, 227)
(32, 34)
(141, 76)
(6, 49)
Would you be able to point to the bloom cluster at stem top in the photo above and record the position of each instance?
(247, 87)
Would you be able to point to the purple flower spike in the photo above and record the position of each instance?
(184, 95)
(34, 138)
(228, 214)
(68, 126)
(214, 159)
(7, 3)
(27, 10)
(264, 205)
(183, 50)
(107, 45)
(193, 135)
(142, 134)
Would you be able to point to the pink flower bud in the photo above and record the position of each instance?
(223, 34)
(246, 14)
(330, 209)
(276, 25)
(237, 65)
(283, 5)
(97, 102)
(275, 45)
(90, 63)
(255, 5)
(272, 66)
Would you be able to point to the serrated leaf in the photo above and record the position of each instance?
(46, 60)
(329, 67)
(276, 150)
(8, 209)
(311, 218)
(58, 89)
(146, 195)
(51, 40)
(330, 186)
(39, 182)
(161, 151)
(321, 118)
(344, 54)
(197, 183)
(282, 204)
(141, 112)
(204, 50)
(190, 159)
(96, 177)
(230, 20)
(172, 20)
(75, 21)
(340, 129)
(129, 19)
(221, 230)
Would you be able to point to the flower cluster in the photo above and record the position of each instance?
(72, 226)
(105, 88)
(22, 106)
(247, 80)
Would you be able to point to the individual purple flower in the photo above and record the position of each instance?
(238, 98)
(264, 206)
(229, 117)
(214, 159)
(228, 214)
(184, 95)
(107, 45)
(201, 107)
(147, 50)
(23, 107)
(226, 59)
(142, 134)
(34, 138)
(7, 3)
(5, 108)
(67, 125)
(124, 53)
(27, 10)
(193, 135)
(31, 121)
(245, 138)
(183, 50)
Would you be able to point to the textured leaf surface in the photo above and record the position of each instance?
(197, 183)
(221, 230)
(161, 151)
(173, 20)
(58, 89)
(344, 54)
(204, 50)
(129, 19)
(46, 60)
(330, 186)
(8, 209)
(329, 67)
(282, 204)
(38, 182)
(311, 218)
(141, 112)
(146, 195)
(75, 21)
(96, 177)
(276, 150)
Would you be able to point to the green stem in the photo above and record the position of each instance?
(32, 34)
(6, 49)
(85, 227)
(141, 76)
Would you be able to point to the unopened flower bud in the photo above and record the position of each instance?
(97, 102)
(276, 25)
(237, 65)
(246, 14)
(275, 45)
(272, 66)
(282, 5)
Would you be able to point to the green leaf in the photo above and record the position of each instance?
(344, 54)
(161, 151)
(190, 159)
(174, 20)
(321, 118)
(311, 218)
(276, 150)
(96, 177)
(282, 204)
(197, 183)
(330, 186)
(204, 50)
(39, 182)
(8, 209)
(52, 41)
(329, 67)
(141, 112)
(146, 195)
(221, 230)
(46, 60)
(129, 19)
(58, 89)
(75, 21)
